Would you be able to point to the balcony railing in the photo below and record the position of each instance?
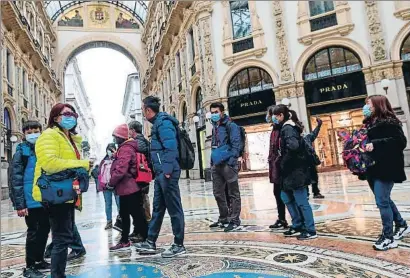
(193, 69)
(242, 45)
(323, 22)
(9, 90)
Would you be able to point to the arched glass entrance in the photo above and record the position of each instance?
(335, 90)
(405, 57)
(250, 93)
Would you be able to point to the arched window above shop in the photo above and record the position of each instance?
(241, 19)
(7, 119)
(184, 115)
(331, 61)
(199, 99)
(249, 80)
(405, 49)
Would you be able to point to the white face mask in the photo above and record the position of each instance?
(32, 138)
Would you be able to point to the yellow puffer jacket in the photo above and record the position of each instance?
(55, 154)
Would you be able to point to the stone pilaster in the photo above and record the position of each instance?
(376, 31)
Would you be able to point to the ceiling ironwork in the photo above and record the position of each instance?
(137, 8)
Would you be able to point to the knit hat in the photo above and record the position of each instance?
(121, 131)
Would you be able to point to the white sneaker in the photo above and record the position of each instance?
(400, 232)
(383, 244)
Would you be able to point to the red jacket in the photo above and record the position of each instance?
(123, 169)
(274, 158)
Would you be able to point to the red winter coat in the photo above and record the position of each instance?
(123, 169)
(273, 159)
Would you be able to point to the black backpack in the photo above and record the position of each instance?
(312, 157)
(243, 137)
(185, 149)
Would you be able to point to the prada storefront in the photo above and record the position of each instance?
(250, 93)
(335, 91)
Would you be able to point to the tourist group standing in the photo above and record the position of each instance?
(48, 176)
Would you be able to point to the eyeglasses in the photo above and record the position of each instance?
(69, 114)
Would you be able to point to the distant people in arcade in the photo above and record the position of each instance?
(104, 177)
(123, 179)
(36, 216)
(294, 174)
(386, 145)
(167, 196)
(313, 158)
(274, 169)
(58, 149)
(226, 149)
(94, 174)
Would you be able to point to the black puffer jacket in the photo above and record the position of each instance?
(294, 166)
(388, 141)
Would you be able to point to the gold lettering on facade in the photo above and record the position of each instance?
(333, 88)
(250, 103)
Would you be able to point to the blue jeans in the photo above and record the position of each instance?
(388, 210)
(108, 203)
(299, 209)
(167, 196)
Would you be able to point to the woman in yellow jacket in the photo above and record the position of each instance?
(58, 149)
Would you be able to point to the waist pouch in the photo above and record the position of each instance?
(58, 188)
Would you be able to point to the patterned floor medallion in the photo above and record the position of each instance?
(347, 223)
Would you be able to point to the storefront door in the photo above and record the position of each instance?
(328, 145)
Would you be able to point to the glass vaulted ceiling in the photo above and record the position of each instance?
(136, 8)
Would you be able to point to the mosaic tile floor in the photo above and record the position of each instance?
(347, 222)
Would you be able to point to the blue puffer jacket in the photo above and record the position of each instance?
(22, 176)
(164, 144)
(225, 150)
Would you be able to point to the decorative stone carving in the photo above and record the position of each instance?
(376, 31)
(398, 72)
(209, 59)
(281, 43)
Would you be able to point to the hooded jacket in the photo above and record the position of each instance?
(22, 176)
(124, 169)
(164, 144)
(294, 166)
(388, 141)
(224, 149)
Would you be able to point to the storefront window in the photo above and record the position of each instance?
(249, 80)
(405, 49)
(331, 61)
(241, 19)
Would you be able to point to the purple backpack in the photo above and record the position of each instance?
(354, 153)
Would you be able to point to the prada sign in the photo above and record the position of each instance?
(335, 88)
(251, 103)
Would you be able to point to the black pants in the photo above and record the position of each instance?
(225, 176)
(314, 177)
(132, 205)
(76, 244)
(167, 196)
(62, 228)
(279, 203)
(38, 228)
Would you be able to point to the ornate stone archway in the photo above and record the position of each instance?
(398, 41)
(110, 40)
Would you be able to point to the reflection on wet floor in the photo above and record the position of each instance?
(347, 222)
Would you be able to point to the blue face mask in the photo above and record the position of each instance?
(275, 121)
(68, 122)
(215, 118)
(367, 112)
(32, 138)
